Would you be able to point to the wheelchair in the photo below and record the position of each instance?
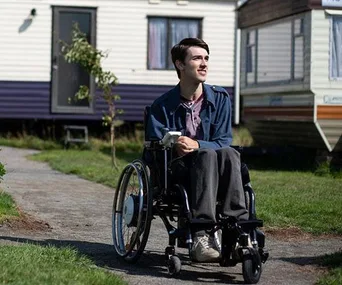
(144, 191)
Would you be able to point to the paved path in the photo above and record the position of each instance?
(79, 215)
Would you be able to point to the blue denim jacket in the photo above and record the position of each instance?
(167, 112)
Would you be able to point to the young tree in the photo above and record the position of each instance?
(81, 52)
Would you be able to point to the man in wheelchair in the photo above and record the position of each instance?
(205, 164)
(190, 171)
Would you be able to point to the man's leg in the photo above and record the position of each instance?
(230, 187)
(200, 176)
(204, 184)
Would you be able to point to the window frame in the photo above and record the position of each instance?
(254, 61)
(169, 20)
(293, 48)
(294, 35)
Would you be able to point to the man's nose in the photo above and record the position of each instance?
(203, 62)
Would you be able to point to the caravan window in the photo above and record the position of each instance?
(274, 52)
(251, 56)
(336, 48)
(163, 34)
(298, 49)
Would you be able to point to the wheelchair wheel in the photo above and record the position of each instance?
(174, 265)
(132, 212)
(251, 267)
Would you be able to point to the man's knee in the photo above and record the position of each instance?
(228, 153)
(207, 154)
(205, 157)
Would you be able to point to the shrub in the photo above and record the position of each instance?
(2, 170)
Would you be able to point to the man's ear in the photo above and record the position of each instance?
(179, 64)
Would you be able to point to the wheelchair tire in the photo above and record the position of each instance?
(251, 268)
(174, 265)
(132, 212)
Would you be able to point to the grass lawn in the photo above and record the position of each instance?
(297, 198)
(334, 263)
(8, 209)
(284, 198)
(39, 265)
(31, 264)
(91, 165)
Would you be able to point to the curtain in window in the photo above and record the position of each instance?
(336, 47)
(157, 43)
(181, 29)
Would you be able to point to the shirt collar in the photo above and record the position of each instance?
(175, 100)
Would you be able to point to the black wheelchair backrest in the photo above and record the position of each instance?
(147, 113)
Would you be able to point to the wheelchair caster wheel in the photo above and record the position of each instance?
(174, 265)
(251, 267)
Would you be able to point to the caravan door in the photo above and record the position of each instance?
(68, 77)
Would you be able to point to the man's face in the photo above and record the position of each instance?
(195, 66)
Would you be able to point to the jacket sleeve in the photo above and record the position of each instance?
(221, 129)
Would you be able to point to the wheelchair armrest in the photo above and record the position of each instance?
(167, 141)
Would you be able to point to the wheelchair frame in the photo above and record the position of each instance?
(136, 203)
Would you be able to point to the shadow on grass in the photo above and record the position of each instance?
(268, 158)
(151, 263)
(330, 261)
(279, 158)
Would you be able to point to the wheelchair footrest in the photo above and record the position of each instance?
(250, 224)
(202, 222)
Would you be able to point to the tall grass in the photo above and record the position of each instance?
(38, 265)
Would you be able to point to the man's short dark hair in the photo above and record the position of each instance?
(179, 51)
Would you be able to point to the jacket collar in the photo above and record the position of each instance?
(174, 97)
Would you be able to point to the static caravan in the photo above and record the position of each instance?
(36, 82)
(291, 72)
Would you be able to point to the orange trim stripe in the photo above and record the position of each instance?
(329, 112)
(288, 111)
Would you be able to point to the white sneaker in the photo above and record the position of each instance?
(204, 249)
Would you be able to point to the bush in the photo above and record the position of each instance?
(2, 171)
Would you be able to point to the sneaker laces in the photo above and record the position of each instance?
(207, 242)
(204, 240)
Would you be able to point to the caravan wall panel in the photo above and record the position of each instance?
(328, 90)
(31, 100)
(122, 30)
(320, 54)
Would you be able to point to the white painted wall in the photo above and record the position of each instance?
(122, 30)
(321, 83)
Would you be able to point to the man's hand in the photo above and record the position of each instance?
(185, 145)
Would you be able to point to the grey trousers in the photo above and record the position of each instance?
(212, 175)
